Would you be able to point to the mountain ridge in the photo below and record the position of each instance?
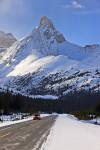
(44, 63)
(6, 39)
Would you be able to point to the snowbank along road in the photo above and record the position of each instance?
(68, 133)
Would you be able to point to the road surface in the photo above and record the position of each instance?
(27, 135)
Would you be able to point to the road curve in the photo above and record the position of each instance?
(27, 135)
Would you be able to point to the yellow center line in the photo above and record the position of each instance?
(2, 136)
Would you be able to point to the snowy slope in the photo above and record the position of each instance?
(69, 133)
(44, 62)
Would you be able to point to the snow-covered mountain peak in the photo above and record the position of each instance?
(49, 31)
(44, 40)
(44, 62)
(45, 21)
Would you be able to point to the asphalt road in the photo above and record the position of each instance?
(27, 135)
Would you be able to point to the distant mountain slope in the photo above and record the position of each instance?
(6, 39)
(45, 63)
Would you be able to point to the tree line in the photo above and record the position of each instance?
(70, 103)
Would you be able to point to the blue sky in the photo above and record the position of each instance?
(78, 20)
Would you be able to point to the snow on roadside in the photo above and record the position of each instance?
(69, 133)
(45, 115)
(6, 123)
(93, 121)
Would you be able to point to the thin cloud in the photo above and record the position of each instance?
(87, 9)
(89, 12)
(74, 5)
